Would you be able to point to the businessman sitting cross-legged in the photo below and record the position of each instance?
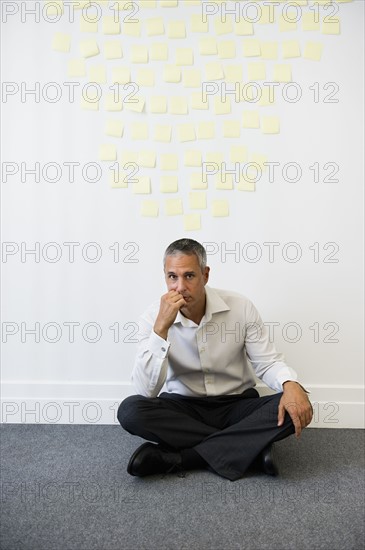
(199, 342)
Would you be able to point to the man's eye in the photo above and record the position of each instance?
(172, 276)
(190, 276)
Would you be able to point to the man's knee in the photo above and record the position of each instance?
(130, 412)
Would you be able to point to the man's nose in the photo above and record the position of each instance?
(180, 285)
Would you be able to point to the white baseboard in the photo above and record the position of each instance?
(26, 402)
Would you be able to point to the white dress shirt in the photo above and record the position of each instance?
(216, 357)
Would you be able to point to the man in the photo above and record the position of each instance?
(197, 342)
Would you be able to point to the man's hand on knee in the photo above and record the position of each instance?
(295, 401)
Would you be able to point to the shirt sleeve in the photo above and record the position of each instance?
(151, 363)
(268, 364)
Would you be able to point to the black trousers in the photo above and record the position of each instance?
(227, 431)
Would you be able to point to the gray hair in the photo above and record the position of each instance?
(188, 247)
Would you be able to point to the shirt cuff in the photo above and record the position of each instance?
(158, 346)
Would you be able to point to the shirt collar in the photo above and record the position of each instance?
(214, 304)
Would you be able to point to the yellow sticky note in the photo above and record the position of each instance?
(178, 105)
(256, 71)
(269, 50)
(135, 104)
(287, 22)
(191, 78)
(245, 184)
(173, 207)
(197, 200)
(145, 3)
(243, 28)
(114, 127)
(132, 28)
(238, 153)
(251, 48)
(291, 48)
(171, 73)
(113, 49)
(169, 184)
(208, 46)
(186, 132)
(313, 51)
(107, 152)
(198, 102)
(192, 158)
(145, 77)
(270, 125)
(197, 181)
(147, 159)
(267, 97)
(224, 181)
(197, 23)
(139, 130)
(176, 29)
(122, 4)
(162, 132)
(282, 73)
(214, 71)
(184, 56)
(267, 15)
(155, 26)
(97, 74)
(139, 54)
(233, 73)
(61, 42)
(168, 161)
(192, 222)
(251, 119)
(331, 27)
(88, 26)
(121, 75)
(142, 186)
(113, 102)
(149, 209)
(226, 49)
(76, 67)
(111, 25)
(310, 21)
(118, 178)
(231, 128)
(220, 208)
(222, 107)
(223, 27)
(158, 104)
(159, 51)
(88, 105)
(206, 130)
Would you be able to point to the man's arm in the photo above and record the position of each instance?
(151, 364)
(272, 369)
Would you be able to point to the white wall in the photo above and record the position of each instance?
(90, 379)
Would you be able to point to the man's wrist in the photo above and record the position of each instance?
(294, 382)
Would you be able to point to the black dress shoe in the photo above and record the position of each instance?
(150, 459)
(267, 461)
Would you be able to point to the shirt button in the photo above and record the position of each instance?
(163, 349)
(202, 349)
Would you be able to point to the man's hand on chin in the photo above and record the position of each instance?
(295, 401)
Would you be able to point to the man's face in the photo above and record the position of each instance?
(183, 274)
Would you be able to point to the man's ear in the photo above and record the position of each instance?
(206, 274)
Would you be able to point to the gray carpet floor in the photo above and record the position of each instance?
(66, 488)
